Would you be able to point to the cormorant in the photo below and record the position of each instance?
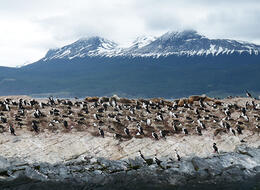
(215, 148)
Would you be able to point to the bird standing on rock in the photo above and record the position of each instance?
(35, 127)
(239, 130)
(65, 123)
(162, 133)
(96, 117)
(198, 129)
(248, 94)
(157, 161)
(175, 128)
(12, 130)
(126, 131)
(142, 156)
(215, 148)
(155, 136)
(140, 130)
(101, 132)
(185, 131)
(232, 131)
(177, 155)
(202, 125)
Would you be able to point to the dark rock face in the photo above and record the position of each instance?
(239, 170)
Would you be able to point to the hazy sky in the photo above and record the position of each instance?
(28, 28)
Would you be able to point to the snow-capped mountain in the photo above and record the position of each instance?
(93, 46)
(188, 43)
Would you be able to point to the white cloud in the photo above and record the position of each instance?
(30, 27)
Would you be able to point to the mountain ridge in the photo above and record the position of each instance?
(187, 43)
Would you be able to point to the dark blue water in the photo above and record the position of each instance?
(27, 184)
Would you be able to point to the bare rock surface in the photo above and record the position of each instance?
(53, 148)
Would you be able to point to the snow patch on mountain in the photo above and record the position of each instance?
(142, 41)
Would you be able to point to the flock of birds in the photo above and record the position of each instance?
(124, 118)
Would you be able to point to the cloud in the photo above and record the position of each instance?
(29, 28)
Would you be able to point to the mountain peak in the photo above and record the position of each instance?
(83, 47)
(185, 34)
(97, 42)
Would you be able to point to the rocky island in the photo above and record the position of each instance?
(118, 143)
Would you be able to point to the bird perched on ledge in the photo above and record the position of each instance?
(215, 148)
(12, 131)
(101, 132)
(155, 136)
(248, 94)
(177, 155)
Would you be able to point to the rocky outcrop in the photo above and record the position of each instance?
(237, 167)
(67, 151)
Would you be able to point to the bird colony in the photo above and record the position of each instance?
(124, 119)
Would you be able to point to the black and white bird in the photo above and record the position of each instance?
(132, 111)
(243, 109)
(215, 148)
(128, 118)
(157, 161)
(177, 155)
(198, 129)
(35, 127)
(175, 115)
(140, 130)
(162, 133)
(185, 131)
(248, 94)
(126, 131)
(201, 124)
(227, 125)
(227, 113)
(222, 124)
(141, 155)
(232, 131)
(246, 118)
(239, 130)
(100, 110)
(159, 117)
(65, 123)
(147, 110)
(96, 117)
(101, 132)
(155, 136)
(12, 131)
(36, 115)
(201, 103)
(7, 107)
(3, 119)
(175, 128)
(196, 111)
